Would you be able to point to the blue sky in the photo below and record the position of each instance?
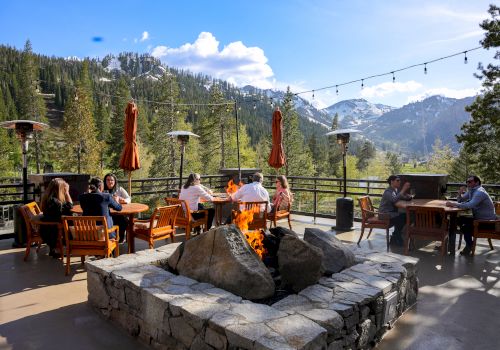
(304, 44)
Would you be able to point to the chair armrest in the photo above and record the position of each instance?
(204, 211)
(479, 221)
(141, 221)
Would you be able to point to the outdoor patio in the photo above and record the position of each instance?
(42, 308)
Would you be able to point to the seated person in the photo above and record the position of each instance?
(56, 202)
(282, 197)
(252, 192)
(191, 192)
(477, 199)
(391, 195)
(121, 196)
(96, 203)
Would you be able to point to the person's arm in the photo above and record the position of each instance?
(114, 204)
(123, 196)
(463, 194)
(474, 202)
(203, 194)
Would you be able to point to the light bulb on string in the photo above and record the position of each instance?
(362, 84)
(76, 97)
(425, 68)
(106, 103)
(337, 89)
(313, 94)
(393, 77)
(177, 112)
(196, 111)
(156, 109)
(465, 57)
(254, 106)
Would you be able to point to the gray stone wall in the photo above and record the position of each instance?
(349, 310)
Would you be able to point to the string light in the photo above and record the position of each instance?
(362, 84)
(313, 94)
(391, 72)
(393, 77)
(337, 89)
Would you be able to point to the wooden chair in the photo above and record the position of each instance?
(185, 218)
(88, 235)
(259, 209)
(489, 229)
(280, 215)
(371, 219)
(161, 225)
(32, 217)
(426, 223)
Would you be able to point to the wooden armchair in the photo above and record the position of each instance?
(161, 225)
(426, 223)
(371, 219)
(489, 229)
(280, 215)
(184, 217)
(32, 217)
(88, 235)
(259, 209)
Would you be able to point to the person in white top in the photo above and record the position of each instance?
(192, 191)
(253, 192)
(121, 196)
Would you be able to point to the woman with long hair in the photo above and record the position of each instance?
(121, 196)
(56, 202)
(192, 191)
(282, 197)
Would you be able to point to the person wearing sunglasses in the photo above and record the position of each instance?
(479, 201)
(391, 195)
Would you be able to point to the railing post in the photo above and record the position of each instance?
(315, 205)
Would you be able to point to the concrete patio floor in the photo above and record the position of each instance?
(457, 308)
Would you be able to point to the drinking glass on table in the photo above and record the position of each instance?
(412, 193)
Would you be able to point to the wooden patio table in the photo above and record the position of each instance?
(220, 199)
(130, 210)
(437, 203)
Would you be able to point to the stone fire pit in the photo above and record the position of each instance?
(349, 310)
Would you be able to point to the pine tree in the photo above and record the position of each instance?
(121, 97)
(393, 164)
(30, 104)
(442, 158)
(334, 150)
(169, 117)
(481, 135)
(366, 153)
(82, 146)
(298, 156)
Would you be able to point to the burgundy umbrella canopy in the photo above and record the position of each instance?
(277, 157)
(129, 159)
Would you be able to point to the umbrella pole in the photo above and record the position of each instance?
(237, 138)
(130, 183)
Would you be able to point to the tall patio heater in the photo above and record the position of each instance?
(24, 131)
(345, 205)
(182, 139)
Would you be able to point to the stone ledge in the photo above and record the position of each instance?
(349, 309)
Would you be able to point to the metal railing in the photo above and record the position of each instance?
(313, 196)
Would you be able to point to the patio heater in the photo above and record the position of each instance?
(345, 205)
(182, 139)
(24, 131)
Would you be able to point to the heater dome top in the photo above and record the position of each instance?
(343, 131)
(17, 124)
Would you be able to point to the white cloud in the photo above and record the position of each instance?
(444, 92)
(236, 63)
(458, 37)
(145, 36)
(443, 13)
(388, 88)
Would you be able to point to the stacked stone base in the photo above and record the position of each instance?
(350, 310)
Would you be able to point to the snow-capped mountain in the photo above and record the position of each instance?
(357, 113)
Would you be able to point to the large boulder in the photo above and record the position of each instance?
(300, 263)
(336, 256)
(223, 257)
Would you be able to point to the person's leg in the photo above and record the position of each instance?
(49, 236)
(122, 223)
(466, 224)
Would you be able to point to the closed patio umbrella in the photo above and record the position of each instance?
(277, 157)
(129, 159)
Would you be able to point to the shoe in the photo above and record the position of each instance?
(466, 251)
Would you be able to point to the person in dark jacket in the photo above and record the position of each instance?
(387, 207)
(56, 202)
(96, 203)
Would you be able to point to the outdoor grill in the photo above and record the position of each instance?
(429, 186)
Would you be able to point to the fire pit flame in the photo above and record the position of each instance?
(255, 238)
(232, 187)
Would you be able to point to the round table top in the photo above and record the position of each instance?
(127, 209)
(431, 203)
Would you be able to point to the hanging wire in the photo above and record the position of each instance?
(388, 73)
